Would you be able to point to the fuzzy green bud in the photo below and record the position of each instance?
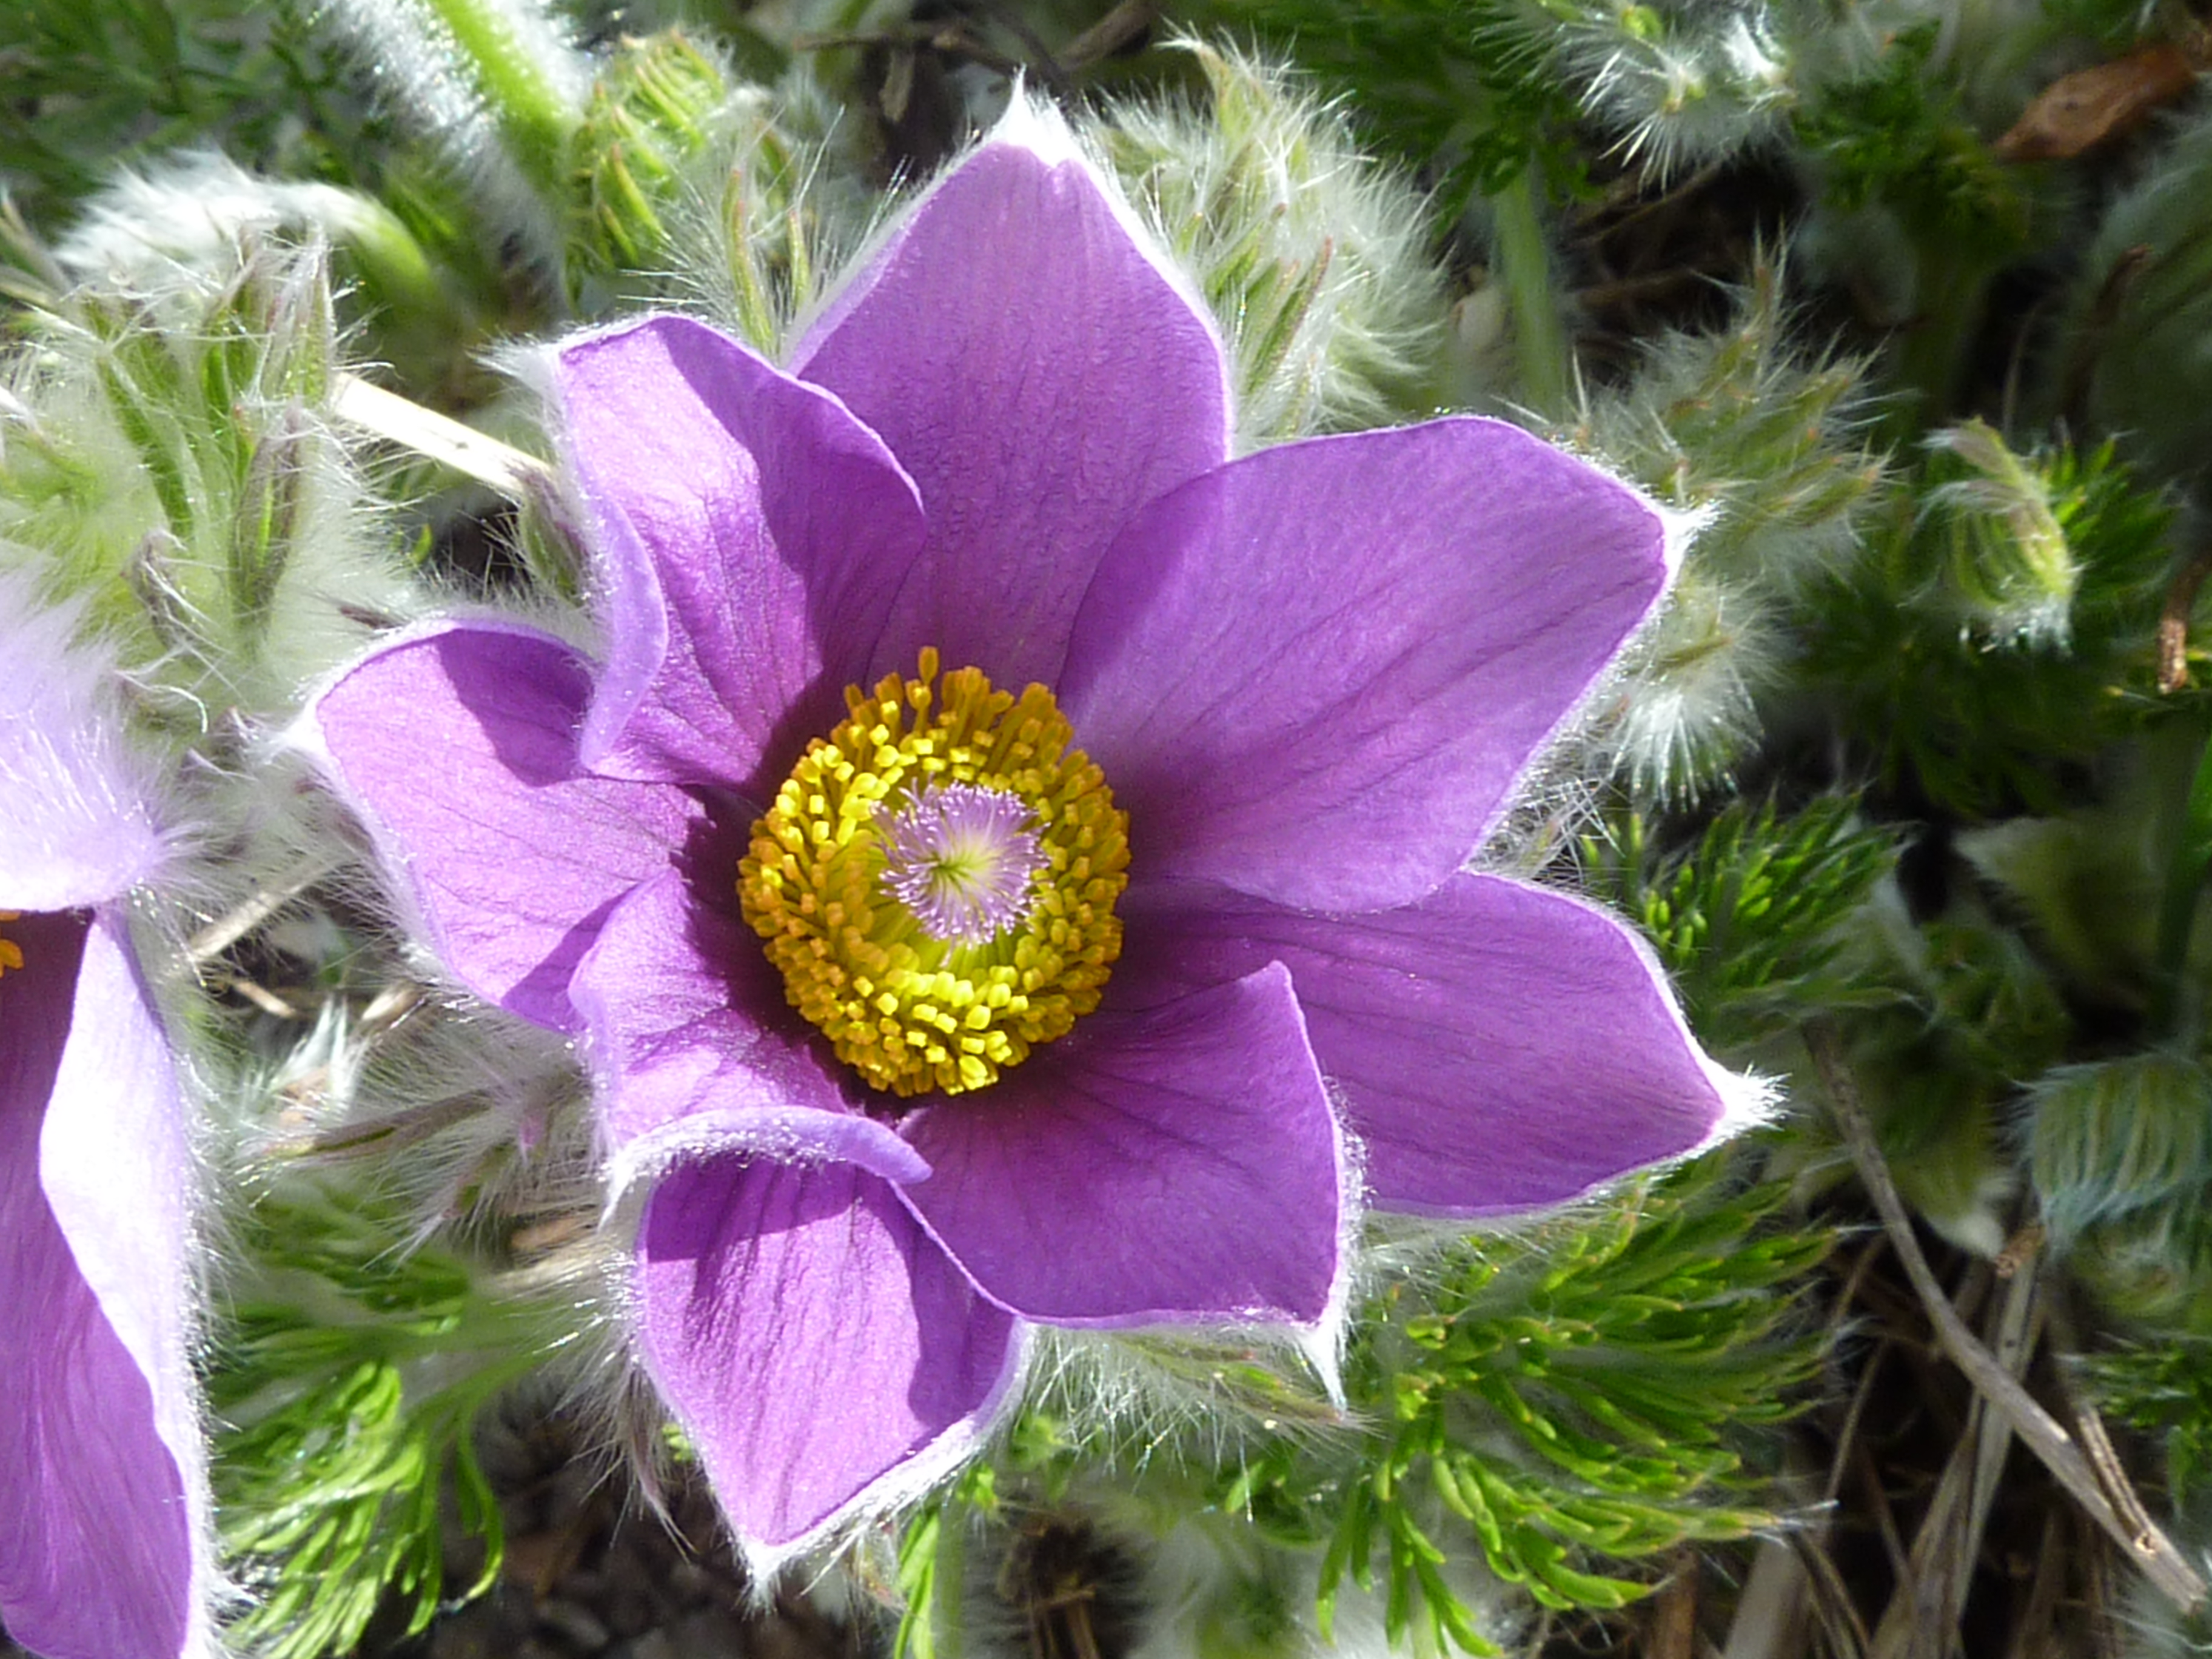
(1314, 259)
(2119, 1136)
(652, 112)
(200, 210)
(1739, 425)
(496, 84)
(1687, 703)
(522, 69)
(2120, 1153)
(1762, 444)
(179, 478)
(2005, 562)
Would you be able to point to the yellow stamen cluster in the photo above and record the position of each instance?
(912, 1013)
(11, 954)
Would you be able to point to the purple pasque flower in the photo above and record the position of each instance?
(104, 1549)
(1006, 838)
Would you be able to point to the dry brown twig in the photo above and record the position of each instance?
(1111, 33)
(439, 437)
(2173, 623)
(2145, 1544)
(226, 930)
(1931, 1594)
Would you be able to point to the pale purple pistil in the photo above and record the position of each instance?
(961, 858)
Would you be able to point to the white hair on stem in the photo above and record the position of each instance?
(429, 82)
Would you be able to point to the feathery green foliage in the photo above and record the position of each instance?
(351, 1376)
(1575, 1399)
(1895, 137)
(1751, 922)
(92, 85)
(1557, 1406)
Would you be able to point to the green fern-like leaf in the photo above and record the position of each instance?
(1573, 1398)
(1751, 920)
(330, 1475)
(90, 85)
(1894, 136)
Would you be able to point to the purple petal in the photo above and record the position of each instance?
(457, 749)
(75, 829)
(694, 1049)
(751, 535)
(1497, 1046)
(99, 1441)
(821, 1352)
(1040, 378)
(1314, 675)
(1181, 1163)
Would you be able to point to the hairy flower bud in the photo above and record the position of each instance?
(1313, 257)
(652, 111)
(2007, 563)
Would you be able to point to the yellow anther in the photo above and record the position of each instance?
(935, 973)
(11, 954)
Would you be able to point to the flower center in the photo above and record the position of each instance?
(961, 857)
(11, 954)
(936, 880)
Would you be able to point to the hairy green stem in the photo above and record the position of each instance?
(947, 1606)
(534, 114)
(394, 268)
(1524, 265)
(1931, 353)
